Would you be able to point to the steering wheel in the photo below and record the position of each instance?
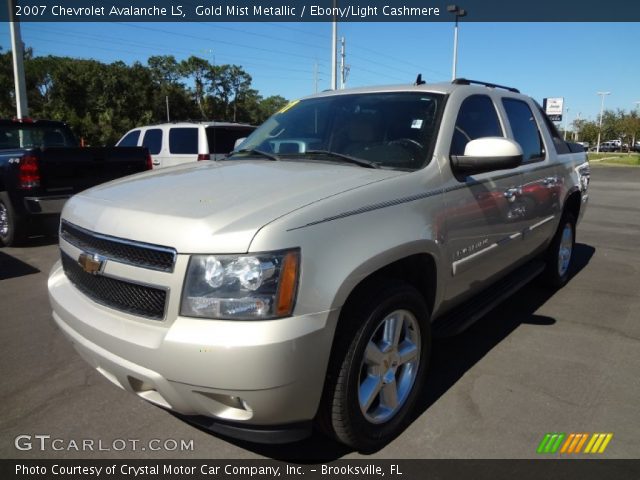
(410, 144)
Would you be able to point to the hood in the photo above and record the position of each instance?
(211, 206)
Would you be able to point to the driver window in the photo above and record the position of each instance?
(477, 118)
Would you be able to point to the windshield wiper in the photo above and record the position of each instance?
(254, 151)
(347, 158)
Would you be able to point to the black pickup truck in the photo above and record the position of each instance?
(42, 165)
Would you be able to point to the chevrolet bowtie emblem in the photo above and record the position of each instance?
(90, 263)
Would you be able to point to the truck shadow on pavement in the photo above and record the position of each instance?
(451, 359)
(11, 267)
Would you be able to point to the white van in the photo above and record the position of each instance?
(176, 143)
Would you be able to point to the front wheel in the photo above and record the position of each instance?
(378, 368)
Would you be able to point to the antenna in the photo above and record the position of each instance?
(419, 80)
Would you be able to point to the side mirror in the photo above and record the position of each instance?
(238, 142)
(487, 154)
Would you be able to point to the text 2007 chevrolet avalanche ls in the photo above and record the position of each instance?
(299, 280)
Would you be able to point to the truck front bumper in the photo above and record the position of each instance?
(250, 378)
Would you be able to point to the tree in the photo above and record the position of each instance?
(589, 132)
(630, 127)
(230, 84)
(168, 89)
(271, 105)
(7, 100)
(197, 69)
(102, 101)
(165, 70)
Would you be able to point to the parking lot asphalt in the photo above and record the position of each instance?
(565, 361)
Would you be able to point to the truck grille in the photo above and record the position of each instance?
(144, 255)
(128, 297)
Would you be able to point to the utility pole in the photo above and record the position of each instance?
(315, 77)
(235, 98)
(344, 69)
(17, 48)
(566, 120)
(576, 124)
(213, 81)
(602, 95)
(166, 98)
(334, 51)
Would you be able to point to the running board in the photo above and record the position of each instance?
(462, 317)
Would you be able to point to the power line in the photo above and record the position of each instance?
(161, 49)
(396, 59)
(235, 44)
(300, 30)
(365, 59)
(262, 35)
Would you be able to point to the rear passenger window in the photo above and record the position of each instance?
(525, 130)
(183, 140)
(558, 141)
(153, 140)
(477, 118)
(222, 140)
(130, 139)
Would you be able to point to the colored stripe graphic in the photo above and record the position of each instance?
(605, 443)
(581, 442)
(598, 442)
(590, 444)
(543, 443)
(565, 447)
(574, 442)
(550, 443)
(557, 443)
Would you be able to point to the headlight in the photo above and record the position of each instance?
(241, 287)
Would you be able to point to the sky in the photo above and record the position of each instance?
(570, 60)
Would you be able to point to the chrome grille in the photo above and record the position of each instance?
(133, 298)
(144, 255)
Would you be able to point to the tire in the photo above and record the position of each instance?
(560, 252)
(12, 231)
(371, 389)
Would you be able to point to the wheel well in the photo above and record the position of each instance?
(418, 270)
(573, 204)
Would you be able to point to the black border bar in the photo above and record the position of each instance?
(179, 11)
(547, 469)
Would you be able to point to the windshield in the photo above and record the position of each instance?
(391, 130)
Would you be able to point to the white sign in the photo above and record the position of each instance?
(554, 106)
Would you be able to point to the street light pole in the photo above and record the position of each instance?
(633, 140)
(17, 50)
(458, 12)
(602, 95)
(455, 50)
